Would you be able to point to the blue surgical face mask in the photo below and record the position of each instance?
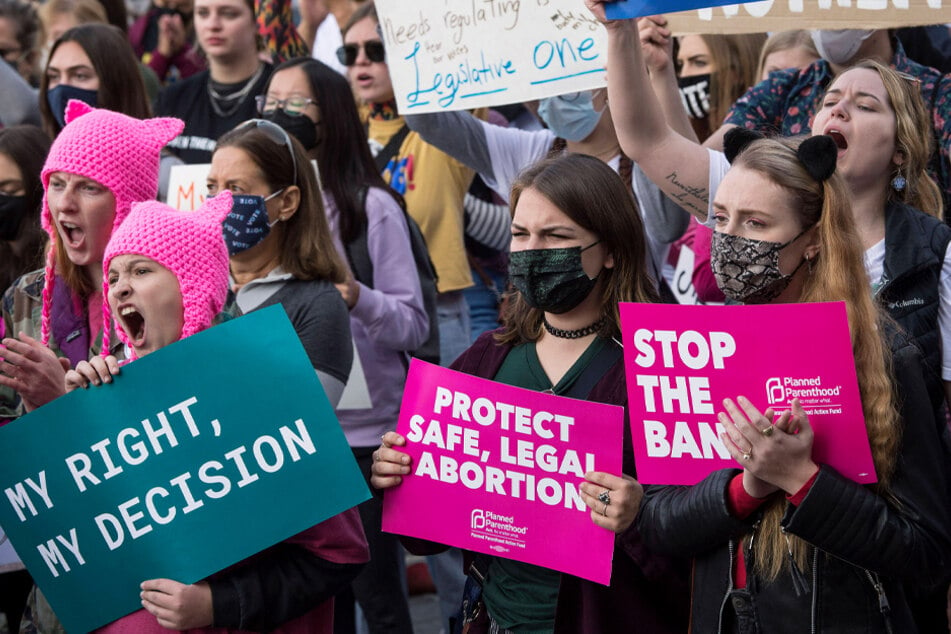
(58, 97)
(571, 117)
(247, 225)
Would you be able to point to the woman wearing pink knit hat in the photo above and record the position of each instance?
(166, 278)
(97, 167)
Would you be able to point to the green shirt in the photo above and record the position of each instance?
(519, 596)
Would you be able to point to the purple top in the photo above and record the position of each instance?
(386, 320)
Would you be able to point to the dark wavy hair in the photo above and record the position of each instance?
(27, 146)
(589, 192)
(346, 166)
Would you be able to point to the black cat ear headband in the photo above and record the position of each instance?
(817, 153)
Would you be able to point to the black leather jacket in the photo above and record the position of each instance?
(867, 551)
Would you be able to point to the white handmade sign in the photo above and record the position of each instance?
(463, 54)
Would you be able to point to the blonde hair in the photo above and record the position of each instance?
(85, 12)
(913, 139)
(784, 41)
(592, 195)
(836, 273)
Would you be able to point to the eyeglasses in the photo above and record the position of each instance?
(275, 133)
(293, 106)
(347, 54)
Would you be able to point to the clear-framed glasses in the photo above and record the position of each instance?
(293, 106)
(275, 133)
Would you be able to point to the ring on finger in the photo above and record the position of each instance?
(604, 497)
(604, 510)
(768, 431)
(748, 455)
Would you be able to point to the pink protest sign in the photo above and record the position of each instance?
(682, 361)
(496, 469)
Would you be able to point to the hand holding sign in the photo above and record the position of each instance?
(96, 371)
(390, 465)
(614, 500)
(506, 471)
(178, 606)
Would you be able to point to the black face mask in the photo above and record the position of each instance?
(12, 211)
(695, 94)
(299, 126)
(551, 280)
(160, 11)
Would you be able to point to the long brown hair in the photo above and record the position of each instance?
(735, 58)
(307, 250)
(836, 273)
(590, 193)
(27, 147)
(121, 88)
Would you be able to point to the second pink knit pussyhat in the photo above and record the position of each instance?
(189, 244)
(117, 151)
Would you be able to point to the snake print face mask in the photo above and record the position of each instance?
(747, 270)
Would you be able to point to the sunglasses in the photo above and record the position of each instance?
(347, 54)
(275, 133)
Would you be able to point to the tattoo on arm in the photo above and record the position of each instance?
(687, 195)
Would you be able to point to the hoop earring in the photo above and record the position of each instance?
(810, 264)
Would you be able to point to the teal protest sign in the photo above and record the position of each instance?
(197, 456)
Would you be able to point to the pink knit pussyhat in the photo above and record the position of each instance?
(117, 151)
(190, 244)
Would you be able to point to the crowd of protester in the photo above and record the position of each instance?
(802, 166)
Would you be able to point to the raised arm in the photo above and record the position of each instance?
(680, 167)
(458, 134)
(657, 46)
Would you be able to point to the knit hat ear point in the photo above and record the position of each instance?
(818, 155)
(738, 139)
(216, 209)
(75, 109)
(161, 130)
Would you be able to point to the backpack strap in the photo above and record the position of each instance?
(391, 148)
(358, 251)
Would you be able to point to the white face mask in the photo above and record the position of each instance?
(838, 47)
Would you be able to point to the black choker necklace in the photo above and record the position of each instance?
(573, 334)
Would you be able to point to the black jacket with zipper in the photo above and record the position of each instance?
(858, 537)
(915, 246)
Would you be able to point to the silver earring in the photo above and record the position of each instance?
(899, 182)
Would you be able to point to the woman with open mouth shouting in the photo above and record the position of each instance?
(876, 117)
(98, 166)
(166, 278)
